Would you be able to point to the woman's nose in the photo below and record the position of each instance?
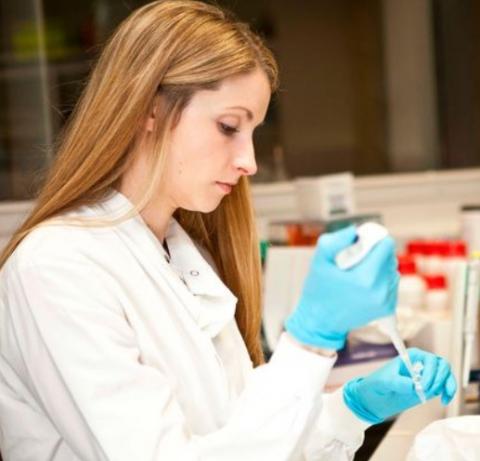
(245, 160)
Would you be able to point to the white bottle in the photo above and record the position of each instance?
(436, 299)
(433, 260)
(417, 250)
(456, 257)
(411, 287)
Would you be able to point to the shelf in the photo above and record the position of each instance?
(33, 69)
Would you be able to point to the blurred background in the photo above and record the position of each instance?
(367, 86)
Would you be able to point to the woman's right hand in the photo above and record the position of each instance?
(335, 301)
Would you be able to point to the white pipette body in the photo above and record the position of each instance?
(369, 234)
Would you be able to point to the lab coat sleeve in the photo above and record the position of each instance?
(84, 368)
(337, 433)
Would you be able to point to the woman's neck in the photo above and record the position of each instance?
(158, 212)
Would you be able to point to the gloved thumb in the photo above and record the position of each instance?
(449, 391)
(332, 243)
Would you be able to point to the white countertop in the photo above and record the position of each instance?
(399, 439)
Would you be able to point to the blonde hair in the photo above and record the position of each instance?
(172, 48)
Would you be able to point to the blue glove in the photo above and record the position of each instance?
(390, 389)
(335, 301)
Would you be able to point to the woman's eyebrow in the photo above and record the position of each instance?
(249, 112)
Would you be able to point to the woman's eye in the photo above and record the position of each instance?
(227, 129)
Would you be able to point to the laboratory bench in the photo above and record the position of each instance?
(400, 436)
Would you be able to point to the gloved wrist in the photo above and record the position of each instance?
(298, 329)
(354, 402)
(316, 350)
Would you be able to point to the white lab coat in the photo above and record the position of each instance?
(110, 352)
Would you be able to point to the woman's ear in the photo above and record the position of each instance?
(150, 123)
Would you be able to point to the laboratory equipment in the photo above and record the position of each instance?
(323, 316)
(471, 316)
(470, 226)
(417, 369)
(417, 250)
(411, 287)
(436, 298)
(368, 235)
(325, 197)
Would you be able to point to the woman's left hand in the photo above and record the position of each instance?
(390, 389)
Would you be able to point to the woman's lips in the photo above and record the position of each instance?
(226, 188)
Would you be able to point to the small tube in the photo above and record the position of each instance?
(417, 370)
(389, 326)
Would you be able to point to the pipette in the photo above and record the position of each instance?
(368, 235)
(388, 325)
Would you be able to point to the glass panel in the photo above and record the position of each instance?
(25, 131)
(457, 38)
(375, 86)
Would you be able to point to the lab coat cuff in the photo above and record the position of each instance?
(309, 369)
(337, 433)
(340, 421)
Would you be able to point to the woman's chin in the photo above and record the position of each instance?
(204, 207)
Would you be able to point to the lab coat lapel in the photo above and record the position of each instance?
(209, 302)
(215, 302)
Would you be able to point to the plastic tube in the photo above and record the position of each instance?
(389, 326)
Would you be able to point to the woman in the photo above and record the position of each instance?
(131, 295)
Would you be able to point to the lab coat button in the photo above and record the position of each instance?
(194, 273)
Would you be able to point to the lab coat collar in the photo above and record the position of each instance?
(216, 302)
(213, 304)
(187, 257)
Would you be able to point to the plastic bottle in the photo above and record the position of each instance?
(436, 298)
(412, 287)
(416, 249)
(434, 257)
(455, 255)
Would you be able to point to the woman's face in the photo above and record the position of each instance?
(212, 143)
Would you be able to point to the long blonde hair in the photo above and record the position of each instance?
(172, 48)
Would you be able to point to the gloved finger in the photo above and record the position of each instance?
(429, 362)
(381, 256)
(400, 385)
(393, 267)
(441, 376)
(449, 390)
(416, 355)
(429, 371)
(392, 296)
(390, 274)
(392, 289)
(332, 243)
